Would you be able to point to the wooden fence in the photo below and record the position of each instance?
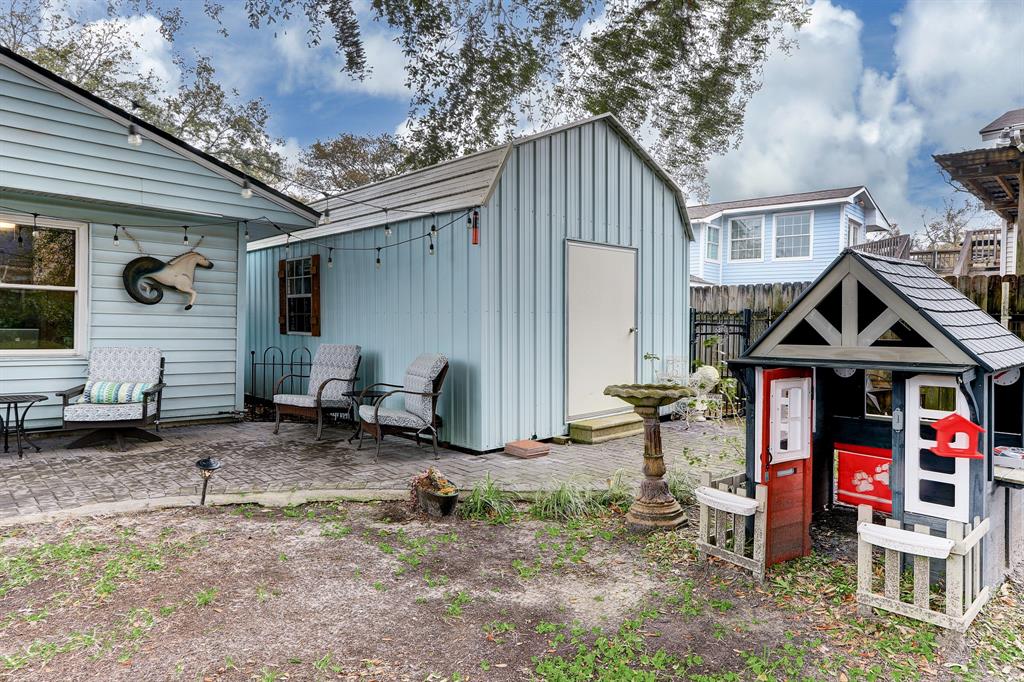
(1001, 296)
(724, 509)
(960, 549)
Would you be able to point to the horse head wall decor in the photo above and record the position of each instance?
(145, 277)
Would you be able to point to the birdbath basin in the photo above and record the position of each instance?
(654, 508)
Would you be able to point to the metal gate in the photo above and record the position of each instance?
(718, 337)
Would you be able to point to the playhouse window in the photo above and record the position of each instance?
(878, 393)
(713, 238)
(299, 278)
(40, 281)
(745, 237)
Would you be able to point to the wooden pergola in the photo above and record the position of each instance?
(995, 176)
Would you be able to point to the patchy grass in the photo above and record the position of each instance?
(487, 502)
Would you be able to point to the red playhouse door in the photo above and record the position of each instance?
(785, 466)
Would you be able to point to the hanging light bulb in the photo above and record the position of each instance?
(184, 237)
(246, 190)
(287, 245)
(134, 139)
(469, 221)
(246, 223)
(117, 242)
(431, 249)
(325, 217)
(433, 230)
(387, 224)
(378, 259)
(330, 258)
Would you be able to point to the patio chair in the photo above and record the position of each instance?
(331, 376)
(121, 396)
(421, 388)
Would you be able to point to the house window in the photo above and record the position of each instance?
(793, 235)
(42, 277)
(713, 237)
(299, 295)
(853, 236)
(878, 393)
(745, 237)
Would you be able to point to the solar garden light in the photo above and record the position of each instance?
(206, 467)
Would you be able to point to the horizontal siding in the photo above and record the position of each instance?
(51, 143)
(199, 345)
(827, 242)
(415, 303)
(584, 183)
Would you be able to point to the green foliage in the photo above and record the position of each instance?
(206, 597)
(487, 502)
(456, 601)
(681, 487)
(566, 502)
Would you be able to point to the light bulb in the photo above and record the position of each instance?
(134, 139)
(246, 190)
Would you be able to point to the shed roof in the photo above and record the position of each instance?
(1013, 117)
(705, 210)
(932, 301)
(458, 184)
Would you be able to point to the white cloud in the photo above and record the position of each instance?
(320, 67)
(151, 52)
(822, 119)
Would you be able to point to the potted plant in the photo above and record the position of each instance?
(433, 493)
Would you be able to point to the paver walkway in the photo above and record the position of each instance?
(254, 460)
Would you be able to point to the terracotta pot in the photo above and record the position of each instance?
(434, 503)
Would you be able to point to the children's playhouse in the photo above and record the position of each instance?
(852, 394)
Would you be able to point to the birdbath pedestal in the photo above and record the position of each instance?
(654, 508)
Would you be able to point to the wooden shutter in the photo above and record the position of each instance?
(282, 298)
(314, 271)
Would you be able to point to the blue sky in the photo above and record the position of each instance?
(874, 88)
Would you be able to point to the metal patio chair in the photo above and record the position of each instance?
(421, 389)
(332, 374)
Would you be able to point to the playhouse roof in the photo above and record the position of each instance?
(948, 328)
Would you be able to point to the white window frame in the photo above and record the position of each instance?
(707, 230)
(81, 288)
(850, 222)
(746, 260)
(810, 236)
(289, 296)
(798, 423)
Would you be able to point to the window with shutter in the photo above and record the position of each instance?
(299, 295)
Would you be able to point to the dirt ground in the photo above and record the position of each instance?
(374, 592)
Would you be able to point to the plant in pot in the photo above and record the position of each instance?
(433, 493)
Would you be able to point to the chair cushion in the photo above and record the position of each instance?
(387, 416)
(420, 377)
(93, 412)
(309, 400)
(333, 361)
(134, 364)
(111, 392)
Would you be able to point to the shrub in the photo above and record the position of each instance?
(681, 487)
(568, 501)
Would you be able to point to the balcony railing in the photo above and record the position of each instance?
(894, 247)
(980, 253)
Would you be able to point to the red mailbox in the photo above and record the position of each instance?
(946, 430)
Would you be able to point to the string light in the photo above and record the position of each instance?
(246, 223)
(431, 250)
(330, 258)
(134, 139)
(184, 238)
(378, 258)
(433, 226)
(325, 217)
(287, 245)
(246, 190)
(387, 224)
(117, 242)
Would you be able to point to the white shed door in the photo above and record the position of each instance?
(601, 326)
(935, 486)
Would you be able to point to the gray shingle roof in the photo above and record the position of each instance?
(993, 346)
(704, 210)
(1014, 117)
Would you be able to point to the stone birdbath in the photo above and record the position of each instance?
(654, 508)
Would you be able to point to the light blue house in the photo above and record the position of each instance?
(786, 238)
(574, 263)
(73, 166)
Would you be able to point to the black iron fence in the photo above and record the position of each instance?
(266, 368)
(718, 337)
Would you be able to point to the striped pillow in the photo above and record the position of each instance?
(113, 392)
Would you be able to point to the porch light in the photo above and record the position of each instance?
(134, 139)
(206, 468)
(246, 190)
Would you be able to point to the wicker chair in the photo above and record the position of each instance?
(421, 388)
(332, 374)
(117, 421)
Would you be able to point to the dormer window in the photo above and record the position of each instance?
(746, 236)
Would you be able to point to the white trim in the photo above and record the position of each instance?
(81, 289)
(810, 236)
(707, 227)
(236, 177)
(776, 207)
(729, 257)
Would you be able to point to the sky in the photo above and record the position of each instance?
(874, 88)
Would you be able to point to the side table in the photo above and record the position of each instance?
(13, 401)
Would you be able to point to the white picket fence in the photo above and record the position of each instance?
(724, 509)
(961, 549)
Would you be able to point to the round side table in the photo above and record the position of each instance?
(20, 404)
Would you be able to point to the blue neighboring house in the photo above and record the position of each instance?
(785, 238)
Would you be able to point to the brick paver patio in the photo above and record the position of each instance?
(57, 482)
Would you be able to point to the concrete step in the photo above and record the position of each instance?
(601, 429)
